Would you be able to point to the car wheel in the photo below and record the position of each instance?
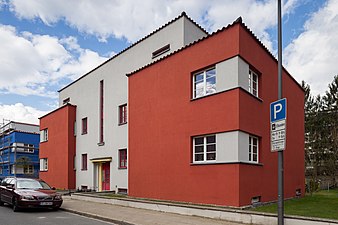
(1, 202)
(15, 205)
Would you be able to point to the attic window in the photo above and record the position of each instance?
(161, 51)
(66, 100)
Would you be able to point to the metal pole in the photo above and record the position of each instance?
(280, 153)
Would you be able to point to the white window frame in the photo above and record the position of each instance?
(252, 81)
(44, 135)
(204, 73)
(28, 169)
(251, 148)
(44, 164)
(205, 144)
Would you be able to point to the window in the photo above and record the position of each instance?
(28, 169)
(84, 162)
(84, 126)
(161, 51)
(28, 148)
(253, 149)
(101, 113)
(44, 135)
(204, 148)
(44, 164)
(253, 83)
(123, 158)
(123, 114)
(66, 100)
(204, 83)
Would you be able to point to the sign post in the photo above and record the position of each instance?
(280, 153)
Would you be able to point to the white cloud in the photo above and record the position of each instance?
(133, 19)
(30, 63)
(313, 55)
(20, 113)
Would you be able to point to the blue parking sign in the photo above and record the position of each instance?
(278, 110)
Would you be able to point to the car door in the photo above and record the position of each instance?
(7, 190)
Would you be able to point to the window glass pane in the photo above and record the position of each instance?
(199, 149)
(211, 148)
(211, 139)
(199, 89)
(199, 77)
(199, 157)
(255, 158)
(211, 85)
(254, 149)
(254, 78)
(211, 156)
(254, 86)
(211, 73)
(199, 141)
(254, 141)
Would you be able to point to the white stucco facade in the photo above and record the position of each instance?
(85, 94)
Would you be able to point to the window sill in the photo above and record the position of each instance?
(100, 144)
(84, 169)
(84, 133)
(216, 163)
(43, 170)
(220, 92)
(122, 168)
(120, 124)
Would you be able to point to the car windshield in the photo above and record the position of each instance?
(32, 184)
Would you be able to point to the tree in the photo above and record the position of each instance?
(321, 128)
(330, 106)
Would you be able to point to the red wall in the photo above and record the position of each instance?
(163, 118)
(60, 147)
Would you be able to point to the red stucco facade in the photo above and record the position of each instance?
(59, 149)
(163, 118)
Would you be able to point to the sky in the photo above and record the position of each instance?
(47, 44)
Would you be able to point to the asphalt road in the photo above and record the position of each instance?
(44, 217)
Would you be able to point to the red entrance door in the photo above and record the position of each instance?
(106, 176)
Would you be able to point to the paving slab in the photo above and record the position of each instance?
(132, 216)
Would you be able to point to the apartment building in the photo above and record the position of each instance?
(19, 149)
(199, 125)
(99, 102)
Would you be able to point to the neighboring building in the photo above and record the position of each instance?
(57, 147)
(101, 98)
(199, 126)
(19, 150)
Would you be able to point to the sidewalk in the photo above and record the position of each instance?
(132, 216)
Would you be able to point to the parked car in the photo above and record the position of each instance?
(28, 193)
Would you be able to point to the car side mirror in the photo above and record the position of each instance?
(10, 186)
(53, 188)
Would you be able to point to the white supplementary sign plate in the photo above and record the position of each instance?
(278, 125)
